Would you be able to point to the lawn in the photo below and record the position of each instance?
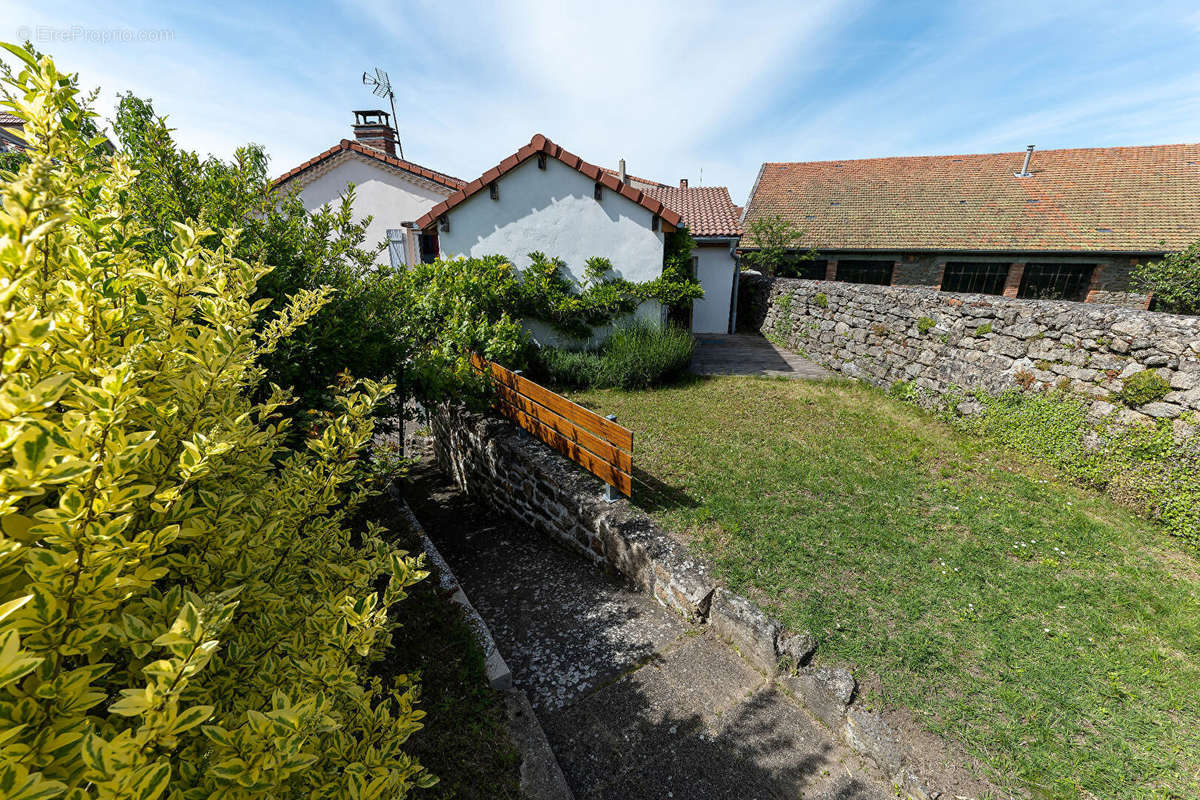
(1046, 630)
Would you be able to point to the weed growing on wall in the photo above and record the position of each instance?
(1143, 387)
(821, 300)
(925, 325)
(1147, 468)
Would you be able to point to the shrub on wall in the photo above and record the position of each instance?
(184, 613)
(1174, 281)
(1143, 387)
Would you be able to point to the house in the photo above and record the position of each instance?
(713, 220)
(12, 129)
(1065, 224)
(391, 190)
(543, 198)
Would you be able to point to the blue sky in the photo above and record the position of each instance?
(702, 90)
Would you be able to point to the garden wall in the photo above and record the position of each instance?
(944, 342)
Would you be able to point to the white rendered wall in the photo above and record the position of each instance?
(554, 211)
(378, 192)
(715, 270)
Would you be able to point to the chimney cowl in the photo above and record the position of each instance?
(373, 128)
(683, 183)
(621, 170)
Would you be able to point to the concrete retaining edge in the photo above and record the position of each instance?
(541, 776)
(504, 466)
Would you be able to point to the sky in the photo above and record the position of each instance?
(699, 90)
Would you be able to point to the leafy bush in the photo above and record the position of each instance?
(639, 355)
(183, 612)
(1174, 281)
(1143, 387)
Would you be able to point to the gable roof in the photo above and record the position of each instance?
(1111, 199)
(706, 210)
(12, 129)
(540, 144)
(347, 146)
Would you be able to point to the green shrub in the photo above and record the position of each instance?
(1143, 387)
(183, 611)
(639, 355)
(821, 299)
(1174, 281)
(926, 324)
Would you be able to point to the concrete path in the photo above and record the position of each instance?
(750, 354)
(636, 703)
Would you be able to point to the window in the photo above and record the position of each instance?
(654, 222)
(975, 277)
(494, 190)
(541, 160)
(429, 248)
(811, 270)
(1056, 281)
(877, 272)
(444, 223)
(598, 190)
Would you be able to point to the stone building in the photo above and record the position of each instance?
(1051, 224)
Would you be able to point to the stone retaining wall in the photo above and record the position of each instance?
(946, 342)
(502, 465)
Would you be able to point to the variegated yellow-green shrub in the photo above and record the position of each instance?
(185, 614)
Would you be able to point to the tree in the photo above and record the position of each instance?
(774, 241)
(358, 329)
(183, 611)
(1174, 281)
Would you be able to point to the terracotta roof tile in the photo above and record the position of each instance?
(540, 144)
(706, 210)
(345, 145)
(1112, 199)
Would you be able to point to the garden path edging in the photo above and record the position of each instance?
(504, 466)
(541, 776)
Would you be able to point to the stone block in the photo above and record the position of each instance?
(868, 733)
(744, 625)
(826, 691)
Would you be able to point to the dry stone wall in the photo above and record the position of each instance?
(945, 343)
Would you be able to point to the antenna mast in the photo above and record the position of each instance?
(381, 86)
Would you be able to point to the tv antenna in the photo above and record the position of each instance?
(381, 86)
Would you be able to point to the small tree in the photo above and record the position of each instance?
(774, 241)
(1174, 281)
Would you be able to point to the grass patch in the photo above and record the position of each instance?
(465, 741)
(1052, 633)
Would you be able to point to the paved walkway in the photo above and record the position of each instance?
(750, 354)
(635, 703)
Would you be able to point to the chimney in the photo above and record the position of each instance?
(683, 183)
(1025, 173)
(373, 129)
(621, 170)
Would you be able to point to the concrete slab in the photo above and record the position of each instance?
(749, 354)
(635, 703)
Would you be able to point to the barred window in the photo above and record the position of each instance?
(1056, 281)
(877, 272)
(975, 277)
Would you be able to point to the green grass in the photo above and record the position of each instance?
(638, 355)
(1050, 632)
